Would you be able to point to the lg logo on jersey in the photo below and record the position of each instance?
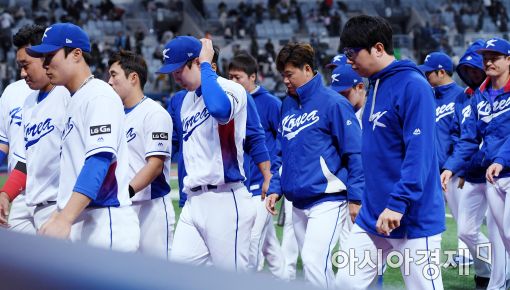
(159, 136)
(101, 129)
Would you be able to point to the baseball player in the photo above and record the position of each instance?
(349, 84)
(148, 129)
(321, 162)
(93, 199)
(243, 70)
(37, 151)
(336, 61)
(19, 215)
(403, 207)
(217, 217)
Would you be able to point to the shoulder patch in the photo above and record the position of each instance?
(100, 129)
(159, 136)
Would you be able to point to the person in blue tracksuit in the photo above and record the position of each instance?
(243, 70)
(489, 122)
(321, 162)
(403, 207)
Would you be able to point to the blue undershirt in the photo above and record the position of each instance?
(92, 174)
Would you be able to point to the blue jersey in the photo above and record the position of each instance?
(399, 153)
(320, 138)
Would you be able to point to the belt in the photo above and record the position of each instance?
(45, 203)
(200, 187)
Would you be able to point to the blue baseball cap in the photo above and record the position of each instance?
(436, 61)
(343, 78)
(61, 35)
(339, 59)
(496, 44)
(178, 51)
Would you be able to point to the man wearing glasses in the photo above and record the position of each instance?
(403, 207)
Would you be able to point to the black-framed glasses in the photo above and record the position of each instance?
(351, 52)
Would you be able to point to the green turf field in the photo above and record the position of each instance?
(392, 277)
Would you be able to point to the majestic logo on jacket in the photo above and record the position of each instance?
(34, 132)
(444, 110)
(374, 118)
(292, 124)
(487, 113)
(190, 123)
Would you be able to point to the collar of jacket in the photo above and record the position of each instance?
(305, 91)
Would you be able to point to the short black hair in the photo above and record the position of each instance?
(365, 31)
(243, 61)
(297, 54)
(86, 55)
(130, 62)
(30, 34)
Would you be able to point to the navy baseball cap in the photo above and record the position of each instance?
(496, 44)
(61, 35)
(343, 78)
(436, 61)
(178, 51)
(339, 59)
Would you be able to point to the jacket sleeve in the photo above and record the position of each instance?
(416, 109)
(346, 133)
(255, 144)
(274, 116)
(468, 144)
(455, 127)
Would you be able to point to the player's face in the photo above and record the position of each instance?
(433, 78)
(32, 70)
(474, 74)
(188, 77)
(119, 81)
(242, 78)
(363, 62)
(495, 64)
(354, 95)
(294, 77)
(59, 68)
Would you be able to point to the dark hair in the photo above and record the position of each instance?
(86, 55)
(243, 61)
(365, 31)
(28, 35)
(297, 54)
(130, 62)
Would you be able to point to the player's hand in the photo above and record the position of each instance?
(271, 202)
(461, 183)
(493, 171)
(56, 227)
(354, 210)
(207, 52)
(265, 188)
(388, 221)
(445, 178)
(4, 209)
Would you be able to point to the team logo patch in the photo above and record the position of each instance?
(34, 132)
(159, 136)
(292, 125)
(101, 129)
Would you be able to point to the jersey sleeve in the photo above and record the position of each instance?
(103, 125)
(158, 134)
(4, 119)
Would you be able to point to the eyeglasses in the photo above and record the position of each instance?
(351, 52)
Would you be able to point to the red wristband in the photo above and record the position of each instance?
(15, 184)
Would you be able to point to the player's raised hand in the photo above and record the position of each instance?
(271, 202)
(493, 171)
(4, 209)
(354, 210)
(207, 52)
(445, 178)
(56, 227)
(388, 221)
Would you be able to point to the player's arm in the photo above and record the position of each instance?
(346, 133)
(500, 161)
(147, 174)
(15, 184)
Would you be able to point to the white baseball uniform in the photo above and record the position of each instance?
(39, 148)
(217, 218)
(95, 124)
(149, 133)
(11, 104)
(289, 242)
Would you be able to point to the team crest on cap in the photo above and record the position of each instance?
(165, 56)
(337, 57)
(427, 58)
(490, 43)
(334, 77)
(46, 31)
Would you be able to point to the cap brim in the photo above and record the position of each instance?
(340, 89)
(42, 49)
(331, 65)
(170, 68)
(426, 68)
(482, 50)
